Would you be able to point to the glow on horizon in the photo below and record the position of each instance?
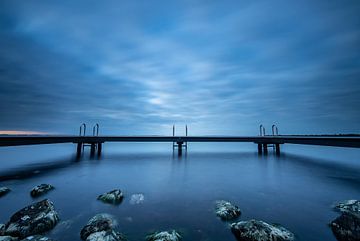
(13, 132)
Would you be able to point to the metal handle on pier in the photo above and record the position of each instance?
(82, 129)
(275, 130)
(262, 130)
(96, 130)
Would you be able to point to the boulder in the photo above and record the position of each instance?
(255, 230)
(8, 238)
(2, 229)
(164, 236)
(40, 190)
(4, 191)
(227, 211)
(37, 238)
(346, 227)
(34, 219)
(348, 205)
(137, 198)
(98, 223)
(113, 197)
(109, 235)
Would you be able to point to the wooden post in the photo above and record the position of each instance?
(99, 145)
(259, 149)
(277, 149)
(78, 149)
(179, 148)
(92, 149)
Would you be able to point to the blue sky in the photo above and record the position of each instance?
(222, 67)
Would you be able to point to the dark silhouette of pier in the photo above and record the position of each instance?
(263, 141)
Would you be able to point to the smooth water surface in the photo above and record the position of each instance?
(296, 191)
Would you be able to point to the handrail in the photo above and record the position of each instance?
(82, 129)
(262, 130)
(96, 129)
(275, 130)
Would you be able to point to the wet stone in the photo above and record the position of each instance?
(346, 227)
(227, 211)
(7, 238)
(98, 223)
(109, 235)
(255, 230)
(137, 198)
(4, 191)
(2, 229)
(40, 190)
(113, 197)
(164, 236)
(37, 238)
(34, 219)
(349, 206)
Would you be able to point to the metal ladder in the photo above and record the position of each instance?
(186, 134)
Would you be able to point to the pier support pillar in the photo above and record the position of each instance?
(265, 149)
(259, 149)
(78, 149)
(277, 149)
(99, 145)
(179, 144)
(92, 149)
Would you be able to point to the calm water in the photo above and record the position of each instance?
(295, 190)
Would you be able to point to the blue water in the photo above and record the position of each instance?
(296, 189)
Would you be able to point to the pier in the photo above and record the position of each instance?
(263, 142)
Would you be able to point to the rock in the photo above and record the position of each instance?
(34, 219)
(227, 211)
(2, 229)
(4, 191)
(37, 238)
(346, 227)
(137, 198)
(164, 236)
(255, 230)
(110, 235)
(113, 197)
(98, 223)
(40, 190)
(7, 238)
(349, 205)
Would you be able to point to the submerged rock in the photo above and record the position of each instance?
(137, 198)
(255, 230)
(110, 235)
(2, 229)
(7, 238)
(346, 227)
(348, 205)
(164, 236)
(98, 223)
(113, 197)
(37, 238)
(40, 189)
(227, 211)
(34, 219)
(4, 191)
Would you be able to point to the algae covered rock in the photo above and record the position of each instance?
(137, 198)
(37, 238)
(109, 235)
(164, 236)
(40, 190)
(34, 219)
(98, 223)
(346, 227)
(255, 230)
(348, 205)
(4, 191)
(8, 238)
(227, 211)
(113, 197)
